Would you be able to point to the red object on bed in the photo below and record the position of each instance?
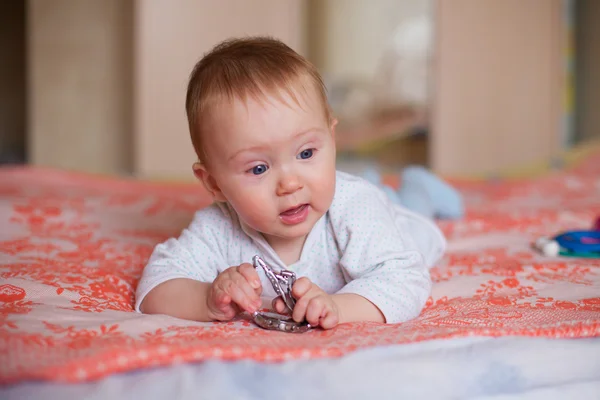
(73, 246)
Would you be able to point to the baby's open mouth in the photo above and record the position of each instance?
(294, 215)
(295, 210)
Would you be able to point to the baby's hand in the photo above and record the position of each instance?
(312, 304)
(235, 289)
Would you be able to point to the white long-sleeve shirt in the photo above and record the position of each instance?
(364, 244)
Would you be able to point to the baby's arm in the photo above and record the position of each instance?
(398, 287)
(325, 310)
(235, 288)
(180, 297)
(381, 261)
(353, 307)
(186, 276)
(387, 271)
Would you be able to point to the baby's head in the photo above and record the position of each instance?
(262, 129)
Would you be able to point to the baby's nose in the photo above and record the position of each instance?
(288, 184)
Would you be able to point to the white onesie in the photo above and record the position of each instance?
(364, 244)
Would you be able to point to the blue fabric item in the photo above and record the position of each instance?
(417, 198)
(446, 201)
(421, 192)
(372, 175)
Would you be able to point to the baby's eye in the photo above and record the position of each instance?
(259, 169)
(305, 154)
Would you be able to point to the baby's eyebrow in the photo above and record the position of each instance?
(307, 132)
(260, 148)
(248, 149)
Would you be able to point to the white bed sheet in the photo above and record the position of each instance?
(467, 368)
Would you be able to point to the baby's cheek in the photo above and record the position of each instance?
(324, 187)
(252, 209)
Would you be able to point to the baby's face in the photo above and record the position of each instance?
(273, 162)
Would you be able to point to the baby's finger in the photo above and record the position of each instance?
(249, 292)
(314, 310)
(221, 299)
(301, 287)
(330, 320)
(279, 306)
(248, 272)
(299, 312)
(225, 309)
(239, 297)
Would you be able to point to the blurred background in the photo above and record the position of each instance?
(465, 87)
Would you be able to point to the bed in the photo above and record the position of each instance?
(502, 322)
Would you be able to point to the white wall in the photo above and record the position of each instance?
(79, 94)
(169, 40)
(356, 33)
(499, 84)
(107, 77)
(587, 60)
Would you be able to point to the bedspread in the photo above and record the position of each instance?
(472, 368)
(72, 247)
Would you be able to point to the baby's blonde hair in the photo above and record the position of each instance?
(242, 67)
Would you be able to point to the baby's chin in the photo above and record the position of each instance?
(286, 232)
(290, 233)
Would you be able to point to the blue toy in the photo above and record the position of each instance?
(584, 244)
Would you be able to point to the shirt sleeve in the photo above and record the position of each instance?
(198, 253)
(380, 260)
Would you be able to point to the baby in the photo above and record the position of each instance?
(265, 139)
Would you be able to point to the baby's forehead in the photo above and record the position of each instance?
(294, 94)
(295, 98)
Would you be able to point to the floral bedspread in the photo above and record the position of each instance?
(72, 248)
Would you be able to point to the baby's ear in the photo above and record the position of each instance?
(208, 181)
(332, 126)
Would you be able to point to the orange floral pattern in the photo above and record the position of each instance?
(72, 248)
